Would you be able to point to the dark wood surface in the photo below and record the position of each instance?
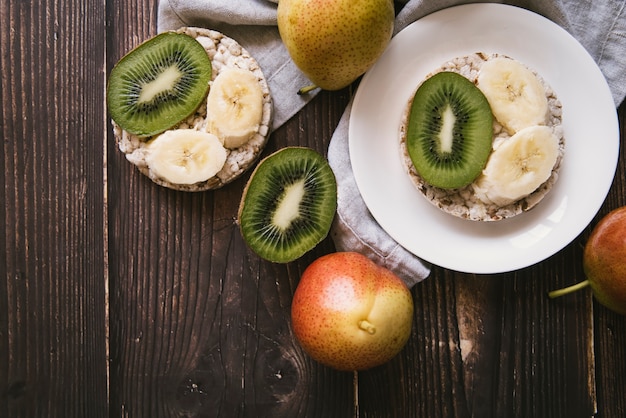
(122, 298)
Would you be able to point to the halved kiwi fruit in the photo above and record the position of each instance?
(289, 204)
(450, 130)
(158, 84)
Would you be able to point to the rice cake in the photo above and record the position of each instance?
(224, 52)
(464, 202)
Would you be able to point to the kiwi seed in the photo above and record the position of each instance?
(450, 131)
(289, 204)
(158, 84)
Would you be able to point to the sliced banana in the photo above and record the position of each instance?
(185, 156)
(234, 107)
(516, 95)
(518, 166)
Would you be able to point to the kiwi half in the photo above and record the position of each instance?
(158, 84)
(288, 205)
(450, 130)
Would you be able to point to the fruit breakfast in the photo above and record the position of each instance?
(482, 139)
(191, 109)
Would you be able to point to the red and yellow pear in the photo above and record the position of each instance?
(604, 262)
(350, 313)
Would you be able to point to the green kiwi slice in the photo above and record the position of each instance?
(288, 205)
(450, 131)
(158, 84)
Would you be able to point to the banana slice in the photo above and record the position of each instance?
(234, 107)
(516, 95)
(518, 166)
(185, 156)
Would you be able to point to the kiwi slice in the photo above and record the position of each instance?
(288, 205)
(450, 131)
(158, 84)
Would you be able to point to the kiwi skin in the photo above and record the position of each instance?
(261, 197)
(143, 65)
(473, 131)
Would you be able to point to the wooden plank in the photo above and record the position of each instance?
(52, 303)
(200, 326)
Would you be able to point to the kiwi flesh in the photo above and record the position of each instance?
(450, 130)
(288, 204)
(158, 84)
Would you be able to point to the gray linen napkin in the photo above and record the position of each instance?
(600, 26)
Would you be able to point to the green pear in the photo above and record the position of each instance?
(333, 42)
(604, 262)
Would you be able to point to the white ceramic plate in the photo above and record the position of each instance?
(589, 122)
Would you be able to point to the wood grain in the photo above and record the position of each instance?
(52, 296)
(121, 298)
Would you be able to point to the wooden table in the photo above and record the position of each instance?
(122, 298)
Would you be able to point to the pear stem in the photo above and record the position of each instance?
(367, 326)
(569, 289)
(306, 89)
